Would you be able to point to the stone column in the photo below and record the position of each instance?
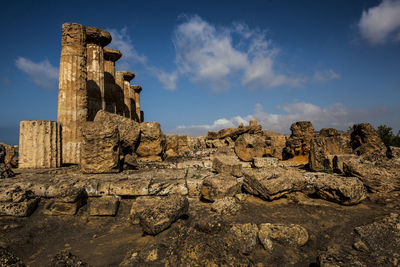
(110, 89)
(96, 40)
(72, 97)
(39, 144)
(127, 76)
(119, 85)
(137, 89)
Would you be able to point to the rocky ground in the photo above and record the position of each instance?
(240, 197)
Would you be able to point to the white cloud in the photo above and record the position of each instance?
(122, 41)
(336, 116)
(214, 55)
(381, 23)
(168, 80)
(325, 76)
(43, 74)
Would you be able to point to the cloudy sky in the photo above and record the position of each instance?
(207, 65)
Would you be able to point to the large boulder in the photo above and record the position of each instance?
(234, 133)
(100, 148)
(342, 190)
(275, 144)
(128, 129)
(272, 183)
(365, 140)
(159, 215)
(11, 155)
(219, 186)
(5, 168)
(292, 235)
(225, 161)
(298, 144)
(245, 235)
(152, 142)
(177, 145)
(325, 147)
(248, 146)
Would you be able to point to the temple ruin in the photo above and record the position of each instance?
(88, 83)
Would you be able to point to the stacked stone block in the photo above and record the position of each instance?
(39, 144)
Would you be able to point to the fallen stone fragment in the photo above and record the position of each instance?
(104, 206)
(225, 161)
(152, 255)
(17, 202)
(100, 148)
(273, 183)
(7, 258)
(226, 206)
(152, 142)
(219, 186)
(343, 190)
(244, 236)
(66, 204)
(365, 140)
(265, 162)
(286, 234)
(298, 144)
(159, 215)
(248, 146)
(5, 167)
(66, 258)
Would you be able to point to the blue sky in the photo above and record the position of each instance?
(207, 65)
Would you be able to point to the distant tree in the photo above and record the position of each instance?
(387, 136)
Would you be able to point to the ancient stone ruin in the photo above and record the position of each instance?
(101, 187)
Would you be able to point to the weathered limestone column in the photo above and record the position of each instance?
(119, 85)
(72, 97)
(128, 76)
(137, 89)
(39, 144)
(110, 89)
(96, 40)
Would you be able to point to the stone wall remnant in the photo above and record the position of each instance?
(39, 144)
(137, 89)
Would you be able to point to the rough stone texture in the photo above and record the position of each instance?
(298, 144)
(275, 144)
(72, 93)
(67, 202)
(7, 258)
(245, 235)
(394, 152)
(328, 132)
(119, 96)
(152, 142)
(227, 206)
(324, 148)
(127, 77)
(343, 190)
(39, 144)
(129, 130)
(248, 146)
(219, 186)
(265, 162)
(225, 161)
(286, 234)
(66, 258)
(234, 133)
(10, 155)
(104, 206)
(110, 89)
(17, 202)
(271, 183)
(161, 214)
(100, 148)
(5, 168)
(365, 140)
(338, 161)
(381, 239)
(176, 145)
(376, 176)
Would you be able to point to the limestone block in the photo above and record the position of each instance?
(17, 202)
(152, 141)
(298, 144)
(67, 203)
(104, 206)
(100, 148)
(39, 144)
(219, 186)
(265, 162)
(248, 146)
